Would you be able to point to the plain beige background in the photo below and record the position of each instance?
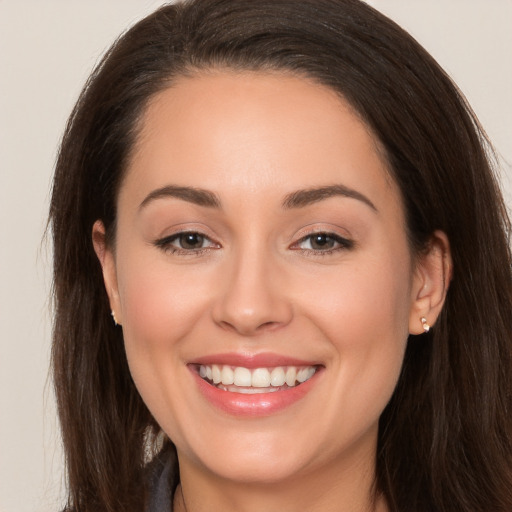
(47, 49)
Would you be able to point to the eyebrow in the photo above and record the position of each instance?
(302, 198)
(297, 199)
(193, 195)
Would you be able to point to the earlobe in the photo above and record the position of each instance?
(432, 277)
(107, 262)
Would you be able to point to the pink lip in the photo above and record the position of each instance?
(255, 405)
(251, 361)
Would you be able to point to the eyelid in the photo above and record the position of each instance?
(180, 228)
(165, 243)
(314, 228)
(344, 243)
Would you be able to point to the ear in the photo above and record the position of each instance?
(108, 266)
(432, 277)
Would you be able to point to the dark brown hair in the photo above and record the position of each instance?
(445, 438)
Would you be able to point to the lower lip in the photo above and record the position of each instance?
(258, 404)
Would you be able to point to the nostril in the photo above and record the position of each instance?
(269, 326)
(248, 329)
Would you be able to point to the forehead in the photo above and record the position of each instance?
(245, 132)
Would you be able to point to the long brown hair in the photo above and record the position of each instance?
(445, 438)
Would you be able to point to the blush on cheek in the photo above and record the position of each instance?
(352, 303)
(154, 308)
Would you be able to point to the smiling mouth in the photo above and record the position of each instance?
(238, 379)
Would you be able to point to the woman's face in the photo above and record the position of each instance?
(261, 242)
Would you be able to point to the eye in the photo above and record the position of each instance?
(189, 241)
(186, 242)
(322, 242)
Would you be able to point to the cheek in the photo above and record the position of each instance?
(363, 313)
(157, 298)
(371, 298)
(160, 306)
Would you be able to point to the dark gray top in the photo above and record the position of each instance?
(161, 484)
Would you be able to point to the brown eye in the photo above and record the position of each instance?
(324, 243)
(190, 241)
(186, 243)
(321, 241)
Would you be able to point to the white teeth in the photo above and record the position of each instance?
(277, 377)
(242, 377)
(291, 376)
(262, 379)
(228, 376)
(216, 377)
(305, 374)
(250, 391)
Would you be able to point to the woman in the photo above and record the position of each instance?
(282, 273)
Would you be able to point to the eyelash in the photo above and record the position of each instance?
(166, 244)
(343, 244)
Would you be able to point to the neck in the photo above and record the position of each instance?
(341, 486)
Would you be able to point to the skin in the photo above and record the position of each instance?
(256, 285)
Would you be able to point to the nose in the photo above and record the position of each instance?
(252, 298)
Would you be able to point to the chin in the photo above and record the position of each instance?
(253, 468)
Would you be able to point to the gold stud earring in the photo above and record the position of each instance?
(424, 323)
(114, 317)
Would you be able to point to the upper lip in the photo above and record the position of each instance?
(261, 360)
